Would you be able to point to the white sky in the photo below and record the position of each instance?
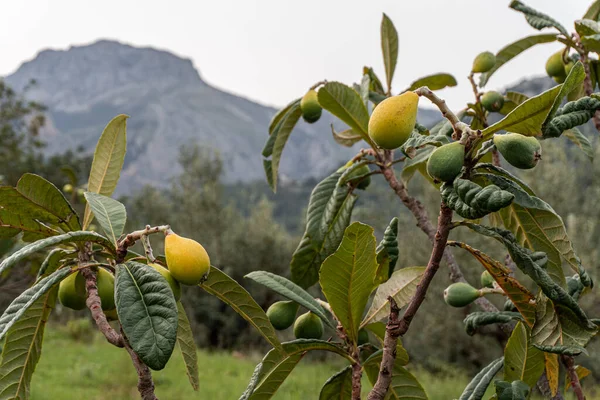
(273, 50)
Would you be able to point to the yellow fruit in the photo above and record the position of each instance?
(71, 291)
(311, 109)
(445, 162)
(68, 188)
(460, 294)
(175, 286)
(393, 120)
(187, 260)
(492, 101)
(105, 281)
(308, 326)
(484, 62)
(555, 65)
(520, 151)
(282, 314)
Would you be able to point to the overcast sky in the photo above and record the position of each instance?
(273, 50)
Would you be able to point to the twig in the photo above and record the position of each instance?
(474, 87)
(575, 384)
(134, 236)
(148, 247)
(316, 85)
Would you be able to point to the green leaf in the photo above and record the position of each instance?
(365, 85)
(387, 252)
(346, 104)
(12, 201)
(404, 385)
(338, 387)
(573, 114)
(516, 97)
(389, 49)
(585, 27)
(528, 117)
(573, 80)
(276, 366)
(74, 237)
(482, 318)
(522, 361)
(23, 348)
(147, 312)
(51, 262)
(347, 277)
(185, 339)
(434, 82)
(537, 19)
(346, 138)
(12, 224)
(516, 390)
(290, 290)
(581, 141)
(279, 116)
(108, 161)
(417, 141)
(593, 11)
(110, 214)
(512, 50)
(226, 289)
(478, 385)
(43, 193)
(591, 42)
(402, 286)
(19, 306)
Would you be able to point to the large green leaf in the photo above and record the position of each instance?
(537, 19)
(23, 347)
(13, 202)
(346, 104)
(591, 42)
(52, 262)
(389, 48)
(347, 276)
(404, 385)
(338, 387)
(585, 27)
(110, 214)
(12, 224)
(593, 11)
(514, 49)
(108, 161)
(69, 237)
(401, 286)
(522, 361)
(434, 82)
(185, 339)
(290, 290)
(279, 116)
(479, 384)
(481, 318)
(43, 193)
(581, 141)
(573, 81)
(147, 312)
(226, 289)
(19, 306)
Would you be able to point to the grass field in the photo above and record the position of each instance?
(72, 370)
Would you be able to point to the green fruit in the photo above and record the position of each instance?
(311, 109)
(175, 286)
(569, 67)
(71, 291)
(487, 280)
(393, 120)
(363, 337)
(105, 281)
(68, 188)
(559, 79)
(445, 162)
(308, 326)
(460, 294)
(492, 101)
(484, 62)
(520, 151)
(364, 182)
(555, 65)
(282, 314)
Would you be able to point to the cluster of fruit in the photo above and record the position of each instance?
(461, 294)
(187, 260)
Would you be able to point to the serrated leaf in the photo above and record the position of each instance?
(402, 286)
(147, 312)
(581, 372)
(512, 50)
(187, 346)
(346, 137)
(404, 385)
(347, 277)
(110, 214)
(13, 202)
(581, 141)
(389, 48)
(479, 384)
(522, 361)
(108, 161)
(12, 224)
(537, 19)
(226, 289)
(23, 347)
(338, 387)
(75, 237)
(47, 196)
(434, 82)
(290, 290)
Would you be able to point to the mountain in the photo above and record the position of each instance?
(170, 106)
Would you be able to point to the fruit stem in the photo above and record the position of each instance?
(134, 236)
(316, 85)
(486, 291)
(148, 247)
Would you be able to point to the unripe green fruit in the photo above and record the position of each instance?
(445, 162)
(559, 78)
(71, 291)
(105, 281)
(520, 151)
(460, 294)
(555, 65)
(364, 182)
(487, 280)
(363, 337)
(282, 314)
(311, 109)
(68, 188)
(492, 101)
(308, 326)
(484, 62)
(175, 286)
(393, 120)
(569, 67)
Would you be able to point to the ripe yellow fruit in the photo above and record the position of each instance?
(520, 151)
(484, 62)
(308, 326)
(105, 281)
(175, 286)
(393, 120)
(71, 291)
(311, 109)
(555, 65)
(282, 314)
(187, 260)
(492, 101)
(445, 162)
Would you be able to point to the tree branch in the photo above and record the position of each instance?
(134, 236)
(356, 377)
(569, 362)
